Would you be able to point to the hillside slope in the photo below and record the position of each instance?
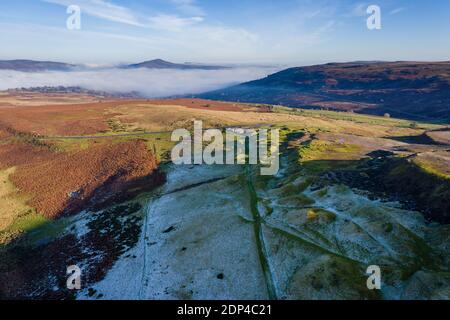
(412, 90)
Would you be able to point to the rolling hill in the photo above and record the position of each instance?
(162, 64)
(38, 66)
(412, 90)
(34, 66)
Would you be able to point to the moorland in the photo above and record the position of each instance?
(86, 180)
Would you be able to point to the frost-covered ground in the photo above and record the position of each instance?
(223, 232)
(197, 242)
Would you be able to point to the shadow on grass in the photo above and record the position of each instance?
(390, 178)
(420, 139)
(33, 264)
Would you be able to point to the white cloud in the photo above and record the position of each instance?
(106, 10)
(181, 36)
(188, 7)
(198, 43)
(102, 9)
(397, 10)
(359, 10)
(163, 22)
(172, 22)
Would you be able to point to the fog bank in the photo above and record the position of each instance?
(152, 83)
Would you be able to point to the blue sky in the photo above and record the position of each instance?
(225, 31)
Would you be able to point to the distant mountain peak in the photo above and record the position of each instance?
(163, 64)
(34, 66)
